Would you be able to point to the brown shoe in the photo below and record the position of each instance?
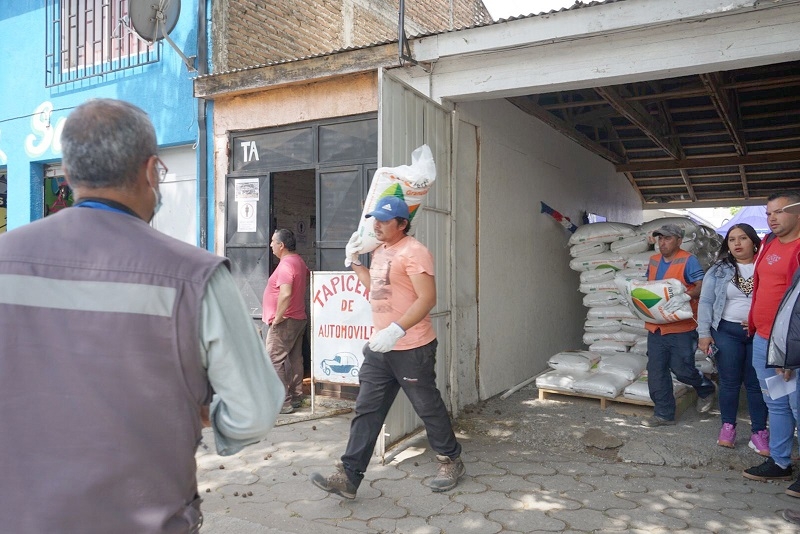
(337, 483)
(450, 470)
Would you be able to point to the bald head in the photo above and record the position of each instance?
(105, 142)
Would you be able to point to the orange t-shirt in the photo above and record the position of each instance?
(774, 276)
(391, 292)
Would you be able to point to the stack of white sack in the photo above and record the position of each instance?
(638, 390)
(612, 259)
(590, 373)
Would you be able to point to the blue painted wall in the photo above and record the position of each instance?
(28, 140)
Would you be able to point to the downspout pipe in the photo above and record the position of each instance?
(202, 134)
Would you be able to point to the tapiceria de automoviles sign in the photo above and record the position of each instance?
(341, 323)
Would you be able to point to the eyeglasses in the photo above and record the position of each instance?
(161, 169)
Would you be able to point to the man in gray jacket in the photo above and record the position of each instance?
(115, 337)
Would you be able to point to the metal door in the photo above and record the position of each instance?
(247, 245)
(406, 120)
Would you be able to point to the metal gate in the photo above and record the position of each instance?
(406, 120)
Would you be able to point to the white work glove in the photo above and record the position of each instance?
(385, 340)
(676, 303)
(352, 249)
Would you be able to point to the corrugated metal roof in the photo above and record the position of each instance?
(577, 5)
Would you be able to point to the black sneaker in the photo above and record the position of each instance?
(794, 489)
(769, 470)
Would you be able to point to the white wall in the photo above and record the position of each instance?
(529, 304)
(178, 214)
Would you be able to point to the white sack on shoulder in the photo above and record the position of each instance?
(598, 275)
(588, 249)
(604, 232)
(573, 360)
(686, 224)
(410, 183)
(647, 299)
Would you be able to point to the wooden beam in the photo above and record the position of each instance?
(527, 105)
(300, 71)
(743, 176)
(696, 163)
(724, 103)
(638, 115)
(688, 183)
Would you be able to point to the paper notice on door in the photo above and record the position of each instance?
(247, 216)
(777, 387)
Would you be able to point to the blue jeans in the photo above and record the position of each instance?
(381, 376)
(672, 352)
(735, 367)
(782, 412)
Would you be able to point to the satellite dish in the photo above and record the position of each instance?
(153, 20)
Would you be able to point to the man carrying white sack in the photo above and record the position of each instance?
(671, 346)
(400, 354)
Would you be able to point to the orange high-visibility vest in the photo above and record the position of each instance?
(675, 270)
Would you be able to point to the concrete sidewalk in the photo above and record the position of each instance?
(509, 487)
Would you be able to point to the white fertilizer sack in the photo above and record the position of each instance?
(591, 338)
(631, 245)
(640, 347)
(636, 273)
(608, 346)
(638, 390)
(588, 249)
(647, 299)
(601, 384)
(639, 261)
(410, 183)
(689, 227)
(628, 366)
(608, 326)
(610, 312)
(573, 360)
(560, 380)
(598, 275)
(604, 232)
(634, 326)
(598, 261)
(608, 285)
(602, 298)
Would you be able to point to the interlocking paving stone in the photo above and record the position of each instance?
(600, 500)
(647, 517)
(404, 487)
(617, 484)
(587, 520)
(563, 483)
(376, 507)
(407, 525)
(471, 522)
(544, 501)
(487, 501)
(505, 483)
(527, 521)
(427, 505)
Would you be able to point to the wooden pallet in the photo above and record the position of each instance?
(682, 401)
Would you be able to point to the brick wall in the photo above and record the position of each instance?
(251, 32)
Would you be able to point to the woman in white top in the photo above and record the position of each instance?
(722, 323)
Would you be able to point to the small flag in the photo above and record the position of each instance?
(564, 221)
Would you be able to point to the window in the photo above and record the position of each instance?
(86, 38)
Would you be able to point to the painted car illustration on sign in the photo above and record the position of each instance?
(342, 363)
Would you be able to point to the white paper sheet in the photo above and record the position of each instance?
(778, 387)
